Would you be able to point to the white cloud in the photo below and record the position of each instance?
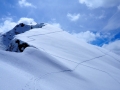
(87, 36)
(99, 3)
(27, 21)
(113, 46)
(24, 3)
(73, 17)
(56, 25)
(114, 22)
(119, 7)
(8, 23)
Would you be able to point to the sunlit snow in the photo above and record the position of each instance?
(56, 60)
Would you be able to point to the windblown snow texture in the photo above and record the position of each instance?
(56, 60)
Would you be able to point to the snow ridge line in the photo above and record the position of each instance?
(107, 53)
(63, 58)
(32, 39)
(102, 71)
(113, 57)
(88, 60)
(58, 56)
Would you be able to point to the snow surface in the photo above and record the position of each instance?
(7, 37)
(58, 61)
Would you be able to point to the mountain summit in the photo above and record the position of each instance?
(53, 59)
(7, 37)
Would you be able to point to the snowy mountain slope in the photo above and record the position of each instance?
(59, 43)
(56, 60)
(6, 37)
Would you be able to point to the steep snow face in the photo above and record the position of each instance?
(57, 60)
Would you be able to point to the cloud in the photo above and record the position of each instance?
(119, 7)
(8, 23)
(87, 36)
(24, 3)
(114, 22)
(99, 3)
(56, 25)
(73, 17)
(27, 21)
(113, 46)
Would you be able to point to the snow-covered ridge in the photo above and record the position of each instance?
(8, 37)
(59, 61)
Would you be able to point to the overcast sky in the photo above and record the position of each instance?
(94, 21)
